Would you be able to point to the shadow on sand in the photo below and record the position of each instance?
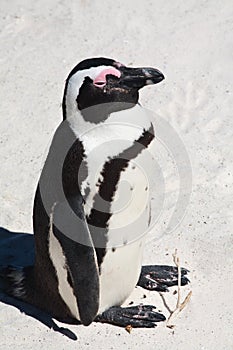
(17, 249)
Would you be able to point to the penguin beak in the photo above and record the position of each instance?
(139, 77)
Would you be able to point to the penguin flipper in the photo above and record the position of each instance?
(141, 316)
(160, 277)
(81, 262)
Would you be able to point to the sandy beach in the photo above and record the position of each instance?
(191, 43)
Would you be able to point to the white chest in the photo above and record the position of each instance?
(130, 204)
(119, 274)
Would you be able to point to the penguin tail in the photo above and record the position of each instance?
(14, 281)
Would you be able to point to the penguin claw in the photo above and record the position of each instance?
(141, 316)
(159, 278)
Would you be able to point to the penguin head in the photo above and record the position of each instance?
(106, 84)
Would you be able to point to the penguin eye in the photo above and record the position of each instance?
(101, 79)
(99, 83)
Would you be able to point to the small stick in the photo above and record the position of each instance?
(186, 300)
(177, 263)
(179, 305)
(165, 303)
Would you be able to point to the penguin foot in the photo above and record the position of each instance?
(141, 316)
(160, 277)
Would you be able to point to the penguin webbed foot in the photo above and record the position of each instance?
(141, 316)
(160, 277)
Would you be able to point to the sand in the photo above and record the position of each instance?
(191, 43)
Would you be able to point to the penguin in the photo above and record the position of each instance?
(92, 203)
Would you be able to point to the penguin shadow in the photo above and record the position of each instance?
(17, 249)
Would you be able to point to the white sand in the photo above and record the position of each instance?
(191, 42)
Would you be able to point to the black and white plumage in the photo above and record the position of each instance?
(89, 243)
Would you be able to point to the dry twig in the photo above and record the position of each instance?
(179, 305)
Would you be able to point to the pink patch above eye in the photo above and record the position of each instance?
(100, 80)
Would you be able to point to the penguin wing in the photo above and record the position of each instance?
(59, 184)
(81, 262)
